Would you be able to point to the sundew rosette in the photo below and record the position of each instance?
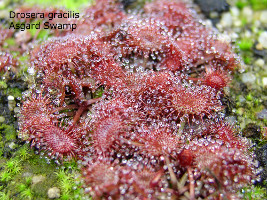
(138, 99)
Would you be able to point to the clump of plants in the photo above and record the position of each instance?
(136, 100)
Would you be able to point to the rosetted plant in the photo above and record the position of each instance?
(137, 99)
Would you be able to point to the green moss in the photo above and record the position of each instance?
(27, 194)
(23, 58)
(21, 187)
(245, 44)
(255, 4)
(14, 92)
(3, 85)
(5, 176)
(247, 60)
(65, 197)
(40, 189)
(241, 4)
(4, 196)
(9, 42)
(24, 152)
(67, 183)
(249, 97)
(10, 137)
(258, 4)
(254, 193)
(8, 131)
(13, 166)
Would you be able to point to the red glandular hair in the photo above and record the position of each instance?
(226, 134)
(220, 160)
(195, 102)
(149, 94)
(110, 123)
(106, 133)
(174, 14)
(217, 79)
(157, 141)
(147, 39)
(79, 62)
(186, 158)
(222, 55)
(163, 96)
(223, 169)
(146, 183)
(100, 17)
(104, 14)
(57, 142)
(143, 37)
(60, 143)
(148, 115)
(36, 112)
(192, 37)
(103, 180)
(42, 127)
(7, 61)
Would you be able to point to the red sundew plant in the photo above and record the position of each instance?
(138, 101)
(7, 61)
(216, 79)
(157, 141)
(59, 142)
(195, 102)
(105, 12)
(76, 62)
(176, 15)
(226, 169)
(104, 178)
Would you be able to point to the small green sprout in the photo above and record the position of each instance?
(249, 97)
(5, 176)
(62, 175)
(23, 152)
(65, 181)
(66, 185)
(4, 196)
(98, 93)
(28, 180)
(27, 194)
(247, 60)
(22, 187)
(13, 166)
